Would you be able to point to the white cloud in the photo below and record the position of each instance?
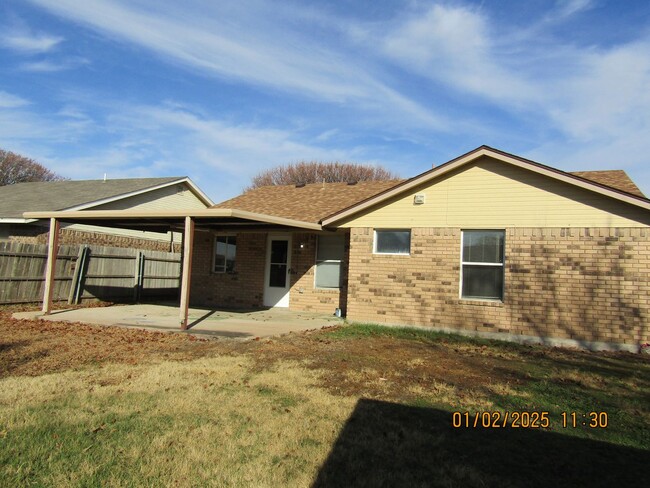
(7, 100)
(253, 41)
(25, 41)
(606, 95)
(454, 44)
(567, 8)
(52, 66)
(126, 140)
(594, 99)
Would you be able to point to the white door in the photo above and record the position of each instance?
(278, 263)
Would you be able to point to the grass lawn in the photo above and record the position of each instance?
(351, 406)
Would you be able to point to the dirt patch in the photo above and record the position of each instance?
(387, 367)
(380, 367)
(373, 367)
(35, 347)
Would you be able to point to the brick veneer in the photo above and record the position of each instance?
(244, 288)
(39, 235)
(304, 295)
(585, 285)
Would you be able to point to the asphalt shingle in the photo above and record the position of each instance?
(61, 195)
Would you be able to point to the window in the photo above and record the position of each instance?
(225, 248)
(392, 242)
(329, 254)
(482, 264)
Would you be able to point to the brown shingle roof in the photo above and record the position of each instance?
(616, 178)
(314, 202)
(309, 203)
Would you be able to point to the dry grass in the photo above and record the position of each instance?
(352, 406)
(205, 422)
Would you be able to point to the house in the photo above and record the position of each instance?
(107, 194)
(488, 243)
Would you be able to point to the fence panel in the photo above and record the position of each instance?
(161, 275)
(112, 274)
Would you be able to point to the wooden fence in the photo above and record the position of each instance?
(86, 272)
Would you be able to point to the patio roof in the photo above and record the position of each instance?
(183, 220)
(172, 220)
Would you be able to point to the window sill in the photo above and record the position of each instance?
(482, 302)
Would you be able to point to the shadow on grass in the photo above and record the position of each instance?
(387, 444)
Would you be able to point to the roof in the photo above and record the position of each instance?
(65, 195)
(616, 178)
(591, 183)
(308, 203)
(170, 219)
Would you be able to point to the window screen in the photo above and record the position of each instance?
(482, 263)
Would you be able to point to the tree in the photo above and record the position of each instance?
(15, 168)
(318, 172)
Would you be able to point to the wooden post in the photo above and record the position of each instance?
(52, 250)
(188, 244)
(77, 275)
(138, 277)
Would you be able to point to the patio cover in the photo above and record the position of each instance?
(185, 221)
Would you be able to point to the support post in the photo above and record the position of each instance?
(188, 244)
(50, 266)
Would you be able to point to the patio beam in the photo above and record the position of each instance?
(50, 266)
(188, 244)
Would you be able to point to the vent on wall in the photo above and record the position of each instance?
(418, 199)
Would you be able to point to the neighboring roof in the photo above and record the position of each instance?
(69, 195)
(616, 178)
(308, 203)
(592, 184)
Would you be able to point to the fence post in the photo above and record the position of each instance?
(78, 276)
(137, 275)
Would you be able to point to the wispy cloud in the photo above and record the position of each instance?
(252, 41)
(154, 140)
(7, 100)
(567, 8)
(23, 40)
(592, 95)
(452, 44)
(52, 66)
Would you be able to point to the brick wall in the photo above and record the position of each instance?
(304, 295)
(584, 285)
(39, 235)
(244, 288)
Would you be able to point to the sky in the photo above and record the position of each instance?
(221, 90)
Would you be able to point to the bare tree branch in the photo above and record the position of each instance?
(15, 168)
(317, 172)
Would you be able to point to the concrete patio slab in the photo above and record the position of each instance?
(211, 322)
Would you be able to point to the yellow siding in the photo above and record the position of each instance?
(490, 193)
(175, 197)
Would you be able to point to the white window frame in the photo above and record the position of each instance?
(317, 261)
(502, 265)
(214, 254)
(374, 242)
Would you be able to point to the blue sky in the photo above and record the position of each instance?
(219, 90)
